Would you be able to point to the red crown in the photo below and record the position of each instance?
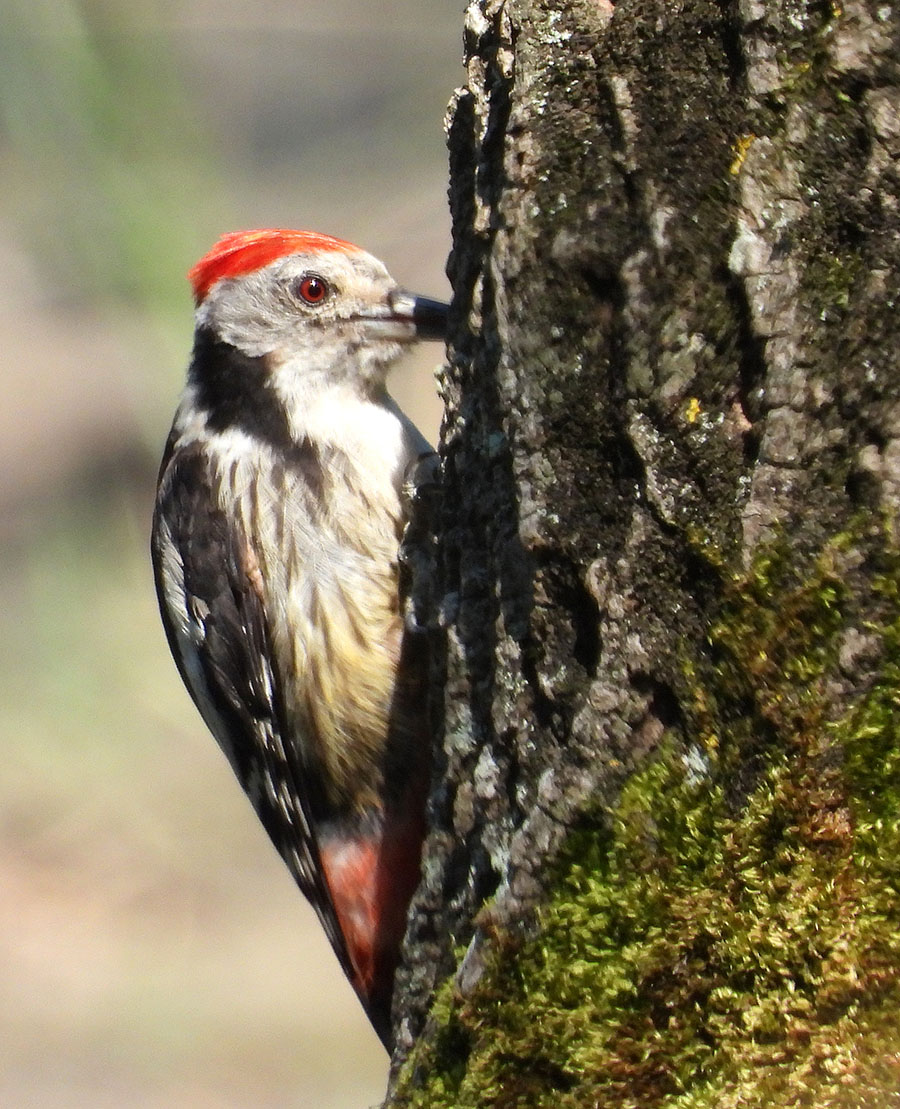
(242, 252)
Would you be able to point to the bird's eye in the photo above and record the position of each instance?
(311, 289)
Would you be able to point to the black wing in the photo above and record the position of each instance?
(218, 634)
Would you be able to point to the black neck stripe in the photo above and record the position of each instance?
(235, 390)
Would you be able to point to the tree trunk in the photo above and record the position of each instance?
(665, 850)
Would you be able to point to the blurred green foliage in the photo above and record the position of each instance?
(107, 160)
(153, 951)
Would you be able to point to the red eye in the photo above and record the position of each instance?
(311, 289)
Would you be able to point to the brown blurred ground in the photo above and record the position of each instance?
(153, 952)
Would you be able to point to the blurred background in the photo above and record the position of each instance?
(153, 950)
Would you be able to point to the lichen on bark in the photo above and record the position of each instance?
(667, 564)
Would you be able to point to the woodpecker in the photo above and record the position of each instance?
(281, 503)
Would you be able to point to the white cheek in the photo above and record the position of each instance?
(241, 312)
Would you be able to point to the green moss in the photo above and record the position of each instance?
(728, 935)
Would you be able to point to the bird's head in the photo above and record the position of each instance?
(311, 301)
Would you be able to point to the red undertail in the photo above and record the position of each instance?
(371, 882)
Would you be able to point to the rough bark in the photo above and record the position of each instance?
(664, 859)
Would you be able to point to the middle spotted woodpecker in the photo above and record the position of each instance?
(276, 534)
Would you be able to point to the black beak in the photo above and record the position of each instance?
(429, 316)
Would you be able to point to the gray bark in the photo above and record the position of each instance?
(674, 353)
